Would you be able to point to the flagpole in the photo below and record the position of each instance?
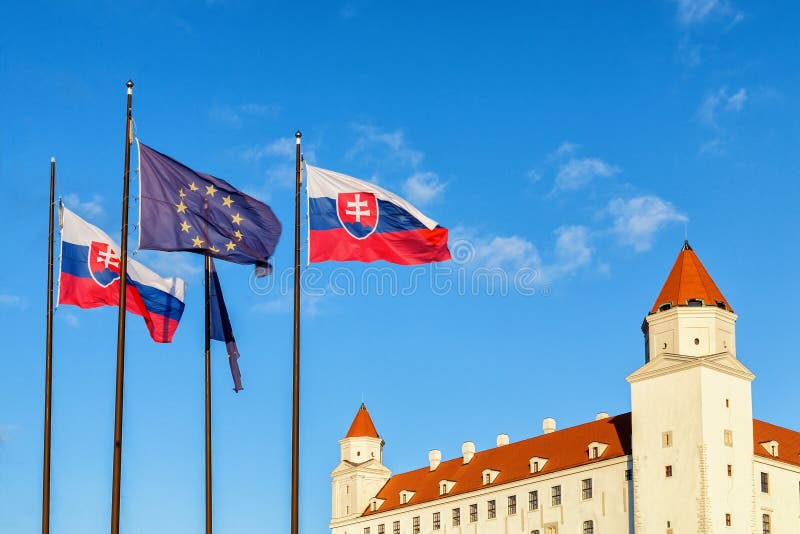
(296, 363)
(123, 289)
(48, 373)
(208, 392)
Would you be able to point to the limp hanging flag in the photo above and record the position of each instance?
(354, 220)
(221, 329)
(185, 210)
(90, 277)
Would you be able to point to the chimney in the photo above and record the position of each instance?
(434, 458)
(548, 425)
(468, 451)
(600, 416)
(502, 439)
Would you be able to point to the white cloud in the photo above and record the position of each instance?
(235, 115)
(534, 175)
(392, 145)
(168, 264)
(572, 250)
(423, 187)
(578, 172)
(282, 146)
(694, 12)
(638, 219)
(566, 148)
(709, 109)
(736, 100)
(12, 301)
(88, 209)
(310, 305)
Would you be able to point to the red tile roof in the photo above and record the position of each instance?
(688, 279)
(563, 449)
(362, 425)
(788, 442)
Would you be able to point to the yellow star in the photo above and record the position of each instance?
(214, 249)
(239, 235)
(181, 193)
(210, 190)
(230, 245)
(193, 187)
(197, 241)
(227, 201)
(185, 226)
(237, 219)
(181, 207)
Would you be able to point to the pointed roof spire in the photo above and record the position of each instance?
(362, 425)
(689, 281)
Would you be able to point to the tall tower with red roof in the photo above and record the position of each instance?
(692, 421)
(360, 473)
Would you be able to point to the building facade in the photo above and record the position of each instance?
(689, 457)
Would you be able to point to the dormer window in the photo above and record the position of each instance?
(771, 447)
(489, 475)
(445, 486)
(665, 306)
(694, 303)
(406, 496)
(721, 305)
(375, 503)
(596, 449)
(536, 464)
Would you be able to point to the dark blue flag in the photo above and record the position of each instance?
(221, 327)
(185, 210)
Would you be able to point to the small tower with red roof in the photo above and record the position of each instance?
(691, 406)
(360, 473)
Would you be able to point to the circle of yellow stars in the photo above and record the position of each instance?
(227, 202)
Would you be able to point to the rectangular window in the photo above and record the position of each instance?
(396, 527)
(381, 529)
(366, 530)
(473, 513)
(512, 504)
(666, 439)
(629, 474)
(668, 471)
(535, 531)
(491, 509)
(729, 438)
(437, 521)
(764, 482)
(415, 524)
(556, 495)
(456, 517)
(766, 524)
(727, 520)
(588, 527)
(533, 500)
(586, 489)
(730, 470)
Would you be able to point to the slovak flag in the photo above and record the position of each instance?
(89, 278)
(354, 220)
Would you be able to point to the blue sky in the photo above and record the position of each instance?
(573, 140)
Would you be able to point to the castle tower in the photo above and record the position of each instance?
(691, 412)
(360, 473)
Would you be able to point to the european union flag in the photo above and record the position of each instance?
(185, 210)
(221, 329)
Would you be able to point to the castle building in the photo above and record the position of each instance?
(689, 457)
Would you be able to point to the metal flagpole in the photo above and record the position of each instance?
(208, 393)
(123, 289)
(296, 365)
(48, 374)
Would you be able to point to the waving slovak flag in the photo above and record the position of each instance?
(354, 220)
(90, 277)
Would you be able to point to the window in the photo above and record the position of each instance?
(629, 474)
(535, 531)
(727, 403)
(666, 439)
(437, 521)
(443, 489)
(727, 520)
(586, 489)
(512, 504)
(487, 478)
(556, 495)
(491, 509)
(594, 452)
(588, 527)
(668, 471)
(730, 470)
(535, 467)
(403, 498)
(533, 500)
(366, 530)
(456, 517)
(415, 524)
(729, 438)
(764, 482)
(396, 527)
(381, 529)
(473, 513)
(766, 524)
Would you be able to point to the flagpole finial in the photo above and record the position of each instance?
(129, 85)
(52, 159)
(297, 135)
